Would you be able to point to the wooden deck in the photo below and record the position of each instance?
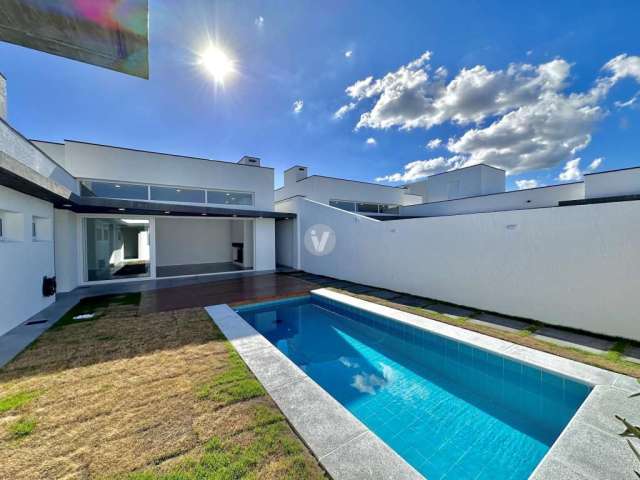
(234, 291)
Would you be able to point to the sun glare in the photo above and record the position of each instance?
(217, 63)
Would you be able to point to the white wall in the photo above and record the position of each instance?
(248, 247)
(86, 160)
(610, 184)
(571, 266)
(66, 249)
(286, 243)
(265, 244)
(514, 200)
(324, 189)
(465, 182)
(182, 241)
(23, 261)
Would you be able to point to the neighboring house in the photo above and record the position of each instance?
(90, 214)
(370, 199)
(482, 188)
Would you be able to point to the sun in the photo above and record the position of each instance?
(217, 63)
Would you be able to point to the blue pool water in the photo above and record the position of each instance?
(450, 410)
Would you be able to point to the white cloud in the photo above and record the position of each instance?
(571, 171)
(419, 169)
(520, 118)
(343, 110)
(527, 183)
(595, 164)
(297, 106)
(435, 143)
(623, 66)
(371, 141)
(348, 53)
(259, 22)
(628, 103)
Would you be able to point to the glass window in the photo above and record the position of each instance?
(219, 197)
(348, 206)
(173, 194)
(125, 191)
(393, 209)
(368, 207)
(116, 248)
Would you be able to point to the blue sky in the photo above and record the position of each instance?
(554, 105)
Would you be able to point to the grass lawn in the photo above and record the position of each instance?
(144, 397)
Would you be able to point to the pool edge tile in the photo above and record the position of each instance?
(567, 454)
(322, 423)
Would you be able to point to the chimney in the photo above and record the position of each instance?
(295, 174)
(3, 97)
(246, 160)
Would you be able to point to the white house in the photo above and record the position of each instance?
(370, 199)
(482, 188)
(89, 214)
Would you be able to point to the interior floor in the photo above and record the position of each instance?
(198, 269)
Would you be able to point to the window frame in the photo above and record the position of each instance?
(149, 187)
(356, 209)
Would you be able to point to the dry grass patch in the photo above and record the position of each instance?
(142, 397)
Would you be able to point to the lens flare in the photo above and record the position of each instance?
(217, 63)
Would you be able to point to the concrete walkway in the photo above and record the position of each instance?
(23, 335)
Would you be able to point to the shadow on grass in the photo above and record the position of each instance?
(116, 332)
(98, 306)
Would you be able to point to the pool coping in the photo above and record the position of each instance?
(588, 448)
(343, 445)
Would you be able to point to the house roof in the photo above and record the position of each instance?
(41, 187)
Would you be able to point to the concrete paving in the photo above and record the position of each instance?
(500, 322)
(20, 337)
(383, 294)
(412, 301)
(450, 310)
(632, 353)
(591, 447)
(583, 341)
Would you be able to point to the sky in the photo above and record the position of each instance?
(382, 91)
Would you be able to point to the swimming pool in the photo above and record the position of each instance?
(449, 409)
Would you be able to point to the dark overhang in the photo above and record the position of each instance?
(108, 33)
(590, 201)
(40, 187)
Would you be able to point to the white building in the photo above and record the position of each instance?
(370, 199)
(481, 188)
(90, 214)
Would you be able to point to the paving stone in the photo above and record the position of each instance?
(632, 353)
(412, 301)
(271, 367)
(594, 454)
(356, 288)
(553, 469)
(381, 461)
(500, 322)
(384, 294)
(316, 416)
(450, 310)
(582, 341)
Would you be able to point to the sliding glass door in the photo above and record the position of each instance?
(116, 248)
